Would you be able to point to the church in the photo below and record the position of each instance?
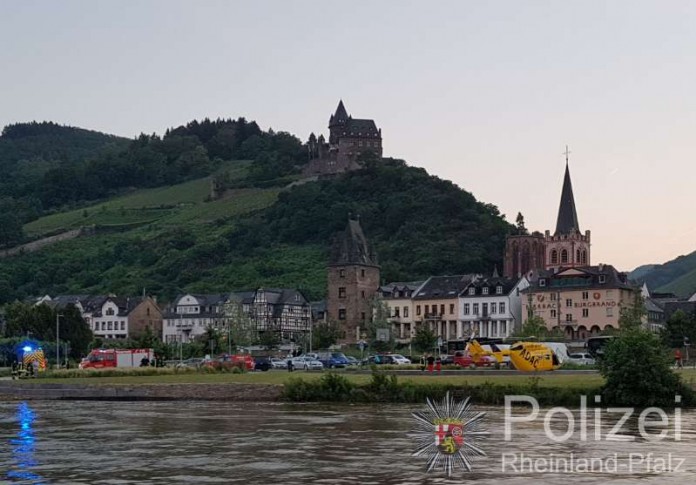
(348, 138)
(567, 247)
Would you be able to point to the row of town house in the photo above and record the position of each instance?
(285, 312)
(580, 302)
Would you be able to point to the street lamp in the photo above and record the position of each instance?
(58, 315)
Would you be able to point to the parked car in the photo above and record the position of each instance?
(195, 362)
(447, 359)
(227, 361)
(304, 362)
(332, 359)
(399, 359)
(379, 360)
(352, 360)
(262, 363)
(279, 363)
(464, 359)
(581, 358)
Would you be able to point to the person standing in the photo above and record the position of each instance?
(438, 364)
(422, 363)
(678, 358)
(431, 361)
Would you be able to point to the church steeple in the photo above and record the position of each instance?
(567, 215)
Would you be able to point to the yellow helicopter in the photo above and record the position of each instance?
(533, 357)
(476, 350)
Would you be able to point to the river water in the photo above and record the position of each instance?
(214, 443)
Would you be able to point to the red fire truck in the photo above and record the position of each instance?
(105, 358)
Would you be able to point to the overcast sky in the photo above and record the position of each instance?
(486, 94)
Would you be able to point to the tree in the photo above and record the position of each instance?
(379, 323)
(519, 222)
(534, 326)
(425, 339)
(631, 316)
(269, 339)
(678, 327)
(637, 369)
(211, 339)
(325, 334)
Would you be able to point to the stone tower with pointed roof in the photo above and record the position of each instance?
(567, 247)
(348, 138)
(353, 280)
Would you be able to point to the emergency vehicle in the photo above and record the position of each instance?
(108, 358)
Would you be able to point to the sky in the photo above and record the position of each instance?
(486, 94)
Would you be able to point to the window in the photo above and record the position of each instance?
(342, 292)
(584, 257)
(494, 308)
(110, 326)
(501, 307)
(96, 325)
(585, 295)
(553, 296)
(585, 312)
(476, 308)
(342, 314)
(442, 309)
(341, 273)
(553, 313)
(602, 278)
(109, 311)
(484, 290)
(451, 308)
(362, 273)
(405, 312)
(569, 317)
(418, 312)
(362, 293)
(434, 310)
(472, 291)
(484, 308)
(610, 311)
(577, 256)
(467, 309)
(498, 290)
(362, 316)
(564, 256)
(554, 257)
(569, 302)
(396, 311)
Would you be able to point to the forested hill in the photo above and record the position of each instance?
(676, 276)
(420, 225)
(48, 167)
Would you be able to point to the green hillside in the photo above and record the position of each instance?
(677, 276)
(252, 237)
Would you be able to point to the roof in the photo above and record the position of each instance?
(652, 306)
(688, 307)
(491, 282)
(443, 287)
(580, 277)
(567, 215)
(340, 115)
(360, 127)
(125, 304)
(351, 247)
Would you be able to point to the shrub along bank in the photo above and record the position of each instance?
(332, 387)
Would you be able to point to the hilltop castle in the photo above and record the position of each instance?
(348, 138)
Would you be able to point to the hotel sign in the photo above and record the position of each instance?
(596, 301)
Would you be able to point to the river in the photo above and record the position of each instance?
(211, 443)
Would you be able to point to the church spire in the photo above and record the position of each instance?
(567, 215)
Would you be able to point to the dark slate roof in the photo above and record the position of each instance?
(351, 247)
(652, 306)
(360, 127)
(445, 287)
(492, 283)
(688, 307)
(390, 288)
(567, 215)
(340, 115)
(125, 304)
(284, 296)
(554, 281)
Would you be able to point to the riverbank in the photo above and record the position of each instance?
(485, 387)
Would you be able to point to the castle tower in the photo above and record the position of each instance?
(524, 253)
(353, 280)
(337, 123)
(567, 247)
